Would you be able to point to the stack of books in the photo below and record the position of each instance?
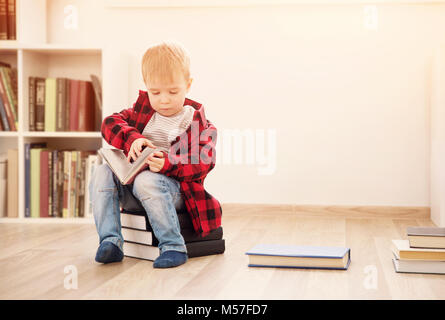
(8, 98)
(423, 252)
(141, 243)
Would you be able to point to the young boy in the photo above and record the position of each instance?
(162, 118)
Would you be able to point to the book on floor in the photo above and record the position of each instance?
(418, 266)
(426, 237)
(194, 249)
(403, 251)
(306, 257)
(125, 171)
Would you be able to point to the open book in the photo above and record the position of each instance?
(125, 171)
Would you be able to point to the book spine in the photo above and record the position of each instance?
(59, 105)
(35, 182)
(3, 20)
(12, 33)
(66, 113)
(72, 191)
(43, 184)
(32, 103)
(40, 104)
(27, 181)
(10, 94)
(50, 104)
(60, 180)
(77, 188)
(50, 184)
(74, 105)
(12, 181)
(86, 112)
(54, 162)
(4, 117)
(6, 101)
(66, 183)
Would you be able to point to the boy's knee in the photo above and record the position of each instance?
(147, 184)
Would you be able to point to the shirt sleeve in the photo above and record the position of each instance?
(117, 132)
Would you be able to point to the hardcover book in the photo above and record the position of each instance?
(418, 266)
(305, 257)
(426, 237)
(194, 249)
(403, 251)
(125, 171)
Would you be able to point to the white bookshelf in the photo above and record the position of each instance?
(33, 56)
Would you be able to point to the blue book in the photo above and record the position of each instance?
(305, 257)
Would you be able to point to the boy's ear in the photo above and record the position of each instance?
(189, 84)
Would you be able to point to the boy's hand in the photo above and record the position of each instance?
(156, 161)
(136, 148)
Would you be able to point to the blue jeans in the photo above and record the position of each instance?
(156, 194)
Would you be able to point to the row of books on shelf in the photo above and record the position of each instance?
(56, 181)
(8, 20)
(8, 98)
(63, 104)
(140, 242)
(422, 252)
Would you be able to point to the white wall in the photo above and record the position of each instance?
(350, 106)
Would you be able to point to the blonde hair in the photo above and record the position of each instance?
(163, 60)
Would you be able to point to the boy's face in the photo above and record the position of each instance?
(167, 97)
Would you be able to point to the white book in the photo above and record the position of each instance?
(124, 170)
(141, 251)
(403, 251)
(139, 236)
(418, 266)
(133, 221)
(3, 196)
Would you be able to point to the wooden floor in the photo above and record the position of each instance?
(33, 258)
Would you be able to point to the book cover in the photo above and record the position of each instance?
(74, 105)
(86, 112)
(66, 183)
(61, 104)
(7, 75)
(55, 169)
(418, 266)
(73, 184)
(3, 20)
(4, 117)
(6, 99)
(403, 251)
(50, 104)
(291, 256)
(32, 103)
(40, 104)
(11, 15)
(426, 237)
(125, 171)
(44, 183)
(35, 182)
(13, 183)
(50, 183)
(60, 182)
(28, 147)
(194, 249)
(98, 105)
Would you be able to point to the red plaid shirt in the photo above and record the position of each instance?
(189, 168)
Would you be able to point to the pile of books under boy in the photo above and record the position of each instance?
(56, 181)
(423, 252)
(140, 241)
(8, 98)
(62, 104)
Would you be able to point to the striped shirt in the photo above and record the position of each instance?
(162, 130)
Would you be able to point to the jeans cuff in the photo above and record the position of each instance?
(180, 248)
(116, 241)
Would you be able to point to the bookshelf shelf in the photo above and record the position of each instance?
(30, 134)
